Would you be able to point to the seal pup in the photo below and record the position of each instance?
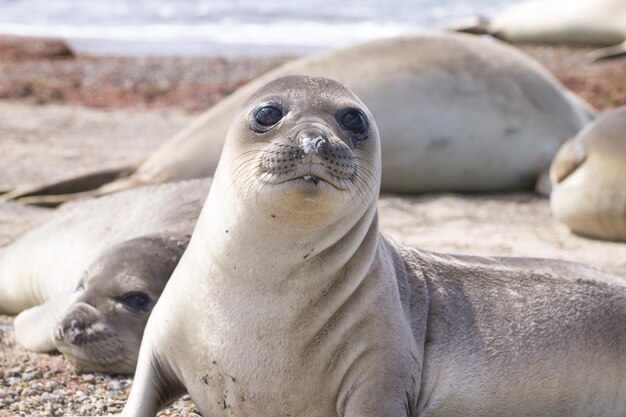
(288, 301)
(125, 242)
(589, 179)
(572, 22)
(102, 327)
(457, 113)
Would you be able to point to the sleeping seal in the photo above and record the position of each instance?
(589, 179)
(457, 114)
(122, 248)
(571, 22)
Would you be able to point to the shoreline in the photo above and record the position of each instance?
(193, 84)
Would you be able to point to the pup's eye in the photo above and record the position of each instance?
(268, 116)
(354, 121)
(80, 287)
(136, 301)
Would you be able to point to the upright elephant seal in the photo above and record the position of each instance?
(457, 114)
(122, 249)
(589, 179)
(573, 22)
(288, 301)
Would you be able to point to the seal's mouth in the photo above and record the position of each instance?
(315, 180)
(104, 354)
(310, 174)
(84, 364)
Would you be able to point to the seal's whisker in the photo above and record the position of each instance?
(246, 173)
(365, 182)
(248, 182)
(244, 168)
(363, 170)
(241, 168)
(240, 162)
(365, 160)
(355, 185)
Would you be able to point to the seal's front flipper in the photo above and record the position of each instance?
(478, 25)
(154, 387)
(57, 199)
(612, 52)
(34, 327)
(6, 189)
(72, 185)
(543, 186)
(567, 160)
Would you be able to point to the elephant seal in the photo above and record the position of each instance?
(295, 285)
(573, 22)
(118, 244)
(101, 329)
(457, 114)
(588, 179)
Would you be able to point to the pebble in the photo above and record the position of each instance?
(88, 377)
(114, 386)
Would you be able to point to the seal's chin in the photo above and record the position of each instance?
(97, 358)
(82, 364)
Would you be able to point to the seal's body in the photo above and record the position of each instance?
(288, 300)
(456, 113)
(116, 247)
(589, 179)
(570, 22)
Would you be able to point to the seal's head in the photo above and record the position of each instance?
(102, 328)
(309, 144)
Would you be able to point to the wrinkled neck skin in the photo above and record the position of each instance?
(262, 243)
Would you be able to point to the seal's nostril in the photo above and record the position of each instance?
(310, 144)
(320, 142)
(58, 334)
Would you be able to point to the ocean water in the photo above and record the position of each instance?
(229, 27)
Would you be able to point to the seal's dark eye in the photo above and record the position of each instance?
(268, 116)
(136, 301)
(354, 121)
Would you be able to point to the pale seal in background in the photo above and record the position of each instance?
(570, 22)
(456, 113)
(40, 270)
(589, 179)
(288, 301)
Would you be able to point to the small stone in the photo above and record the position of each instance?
(114, 386)
(51, 385)
(29, 376)
(88, 377)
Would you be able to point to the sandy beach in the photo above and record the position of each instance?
(63, 114)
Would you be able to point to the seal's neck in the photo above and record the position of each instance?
(244, 243)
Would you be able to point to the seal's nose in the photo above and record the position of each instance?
(70, 330)
(312, 140)
(75, 323)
